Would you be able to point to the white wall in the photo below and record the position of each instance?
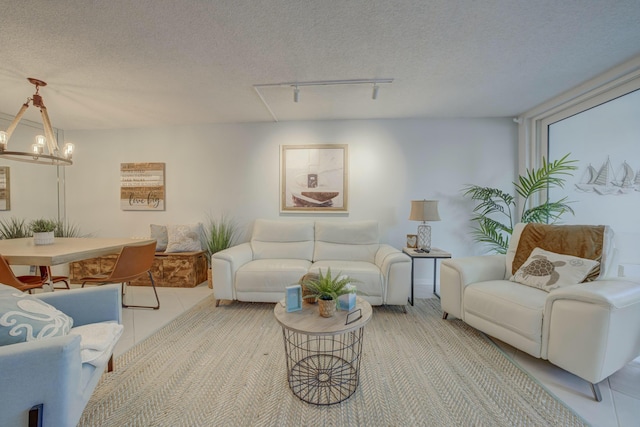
(234, 169)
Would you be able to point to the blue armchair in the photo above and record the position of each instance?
(49, 374)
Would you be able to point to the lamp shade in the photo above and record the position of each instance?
(424, 210)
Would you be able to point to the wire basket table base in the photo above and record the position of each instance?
(323, 370)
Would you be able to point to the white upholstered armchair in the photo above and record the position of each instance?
(590, 329)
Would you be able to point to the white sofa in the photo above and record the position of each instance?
(281, 252)
(590, 329)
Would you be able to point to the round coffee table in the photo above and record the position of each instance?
(323, 354)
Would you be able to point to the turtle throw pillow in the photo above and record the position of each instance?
(548, 270)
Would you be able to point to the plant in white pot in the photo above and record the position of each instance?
(326, 289)
(43, 231)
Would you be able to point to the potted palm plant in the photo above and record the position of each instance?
(43, 231)
(220, 233)
(496, 212)
(326, 289)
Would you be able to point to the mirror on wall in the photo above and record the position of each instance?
(34, 188)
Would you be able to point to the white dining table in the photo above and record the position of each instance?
(63, 250)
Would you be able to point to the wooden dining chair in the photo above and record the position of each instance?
(133, 262)
(22, 283)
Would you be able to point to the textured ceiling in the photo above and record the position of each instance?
(123, 63)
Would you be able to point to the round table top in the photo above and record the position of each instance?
(308, 320)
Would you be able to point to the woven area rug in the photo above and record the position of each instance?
(225, 366)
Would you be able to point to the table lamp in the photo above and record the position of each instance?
(424, 210)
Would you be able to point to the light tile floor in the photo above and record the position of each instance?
(620, 404)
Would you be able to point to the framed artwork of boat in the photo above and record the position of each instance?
(314, 178)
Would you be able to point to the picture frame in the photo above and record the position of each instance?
(412, 241)
(142, 186)
(314, 178)
(5, 189)
(293, 298)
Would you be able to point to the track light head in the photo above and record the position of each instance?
(374, 95)
(296, 94)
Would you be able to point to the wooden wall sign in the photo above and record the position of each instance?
(5, 200)
(142, 187)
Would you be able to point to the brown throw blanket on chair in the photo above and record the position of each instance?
(584, 241)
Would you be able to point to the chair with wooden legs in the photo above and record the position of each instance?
(133, 262)
(22, 283)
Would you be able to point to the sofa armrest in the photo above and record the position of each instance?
(88, 305)
(456, 274)
(395, 267)
(387, 255)
(46, 371)
(224, 265)
(613, 293)
(592, 329)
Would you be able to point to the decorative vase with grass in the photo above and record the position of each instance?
(43, 231)
(326, 289)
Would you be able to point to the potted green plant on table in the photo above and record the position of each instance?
(220, 234)
(326, 289)
(43, 231)
(496, 213)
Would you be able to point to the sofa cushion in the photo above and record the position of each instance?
(24, 317)
(350, 241)
(270, 275)
(512, 311)
(282, 240)
(184, 238)
(548, 270)
(160, 234)
(370, 280)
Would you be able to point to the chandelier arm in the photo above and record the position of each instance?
(17, 119)
(42, 159)
(52, 143)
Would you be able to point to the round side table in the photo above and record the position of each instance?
(323, 354)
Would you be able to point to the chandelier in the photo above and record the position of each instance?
(37, 154)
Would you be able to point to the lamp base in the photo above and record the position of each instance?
(424, 237)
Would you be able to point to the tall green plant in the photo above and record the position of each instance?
(497, 213)
(68, 229)
(220, 233)
(14, 228)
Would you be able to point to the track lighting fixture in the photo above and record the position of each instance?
(296, 88)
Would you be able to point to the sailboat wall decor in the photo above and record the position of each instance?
(604, 182)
